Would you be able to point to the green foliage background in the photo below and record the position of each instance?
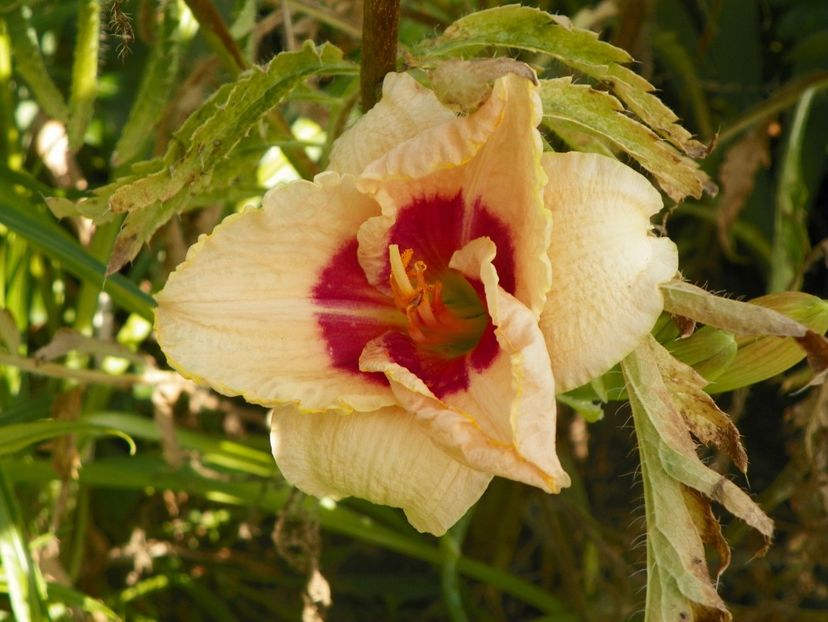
(151, 499)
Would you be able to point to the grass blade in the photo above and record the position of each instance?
(25, 584)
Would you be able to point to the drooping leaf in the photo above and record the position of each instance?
(744, 318)
(157, 189)
(19, 436)
(531, 29)
(737, 175)
(774, 332)
(48, 237)
(678, 525)
(702, 417)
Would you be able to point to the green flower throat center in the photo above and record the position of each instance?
(445, 315)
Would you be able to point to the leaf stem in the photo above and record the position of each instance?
(380, 27)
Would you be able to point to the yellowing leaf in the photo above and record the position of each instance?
(600, 114)
(534, 30)
(664, 395)
(739, 317)
(763, 350)
(701, 415)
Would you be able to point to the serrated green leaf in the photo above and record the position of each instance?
(534, 30)
(29, 63)
(600, 114)
(206, 139)
(681, 66)
(529, 29)
(678, 583)
(84, 72)
(156, 85)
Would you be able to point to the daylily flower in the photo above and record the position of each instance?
(410, 314)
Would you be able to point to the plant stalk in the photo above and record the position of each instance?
(380, 29)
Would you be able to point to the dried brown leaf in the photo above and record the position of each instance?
(737, 176)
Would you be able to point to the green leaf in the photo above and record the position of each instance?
(29, 63)
(782, 98)
(709, 351)
(19, 436)
(47, 236)
(27, 590)
(665, 396)
(760, 358)
(790, 240)
(84, 71)
(216, 452)
(534, 30)
(600, 114)
(58, 593)
(687, 300)
(156, 85)
(204, 142)
(142, 473)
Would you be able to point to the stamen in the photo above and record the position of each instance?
(399, 275)
(447, 327)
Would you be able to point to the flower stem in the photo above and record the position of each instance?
(380, 27)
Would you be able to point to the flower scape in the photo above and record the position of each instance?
(410, 314)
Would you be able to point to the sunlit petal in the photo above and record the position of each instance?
(271, 304)
(606, 264)
(489, 162)
(381, 456)
(405, 110)
(504, 421)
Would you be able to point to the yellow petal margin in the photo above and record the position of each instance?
(238, 313)
(384, 457)
(606, 264)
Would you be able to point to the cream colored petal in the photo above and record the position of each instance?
(405, 110)
(383, 456)
(606, 264)
(504, 422)
(241, 315)
(491, 157)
